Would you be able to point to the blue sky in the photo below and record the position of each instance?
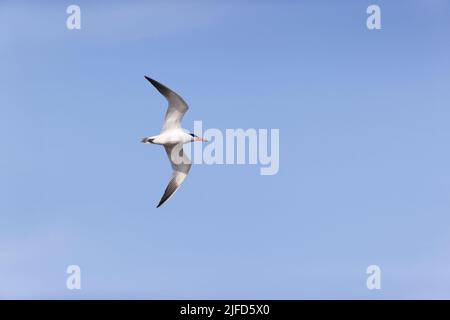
(364, 160)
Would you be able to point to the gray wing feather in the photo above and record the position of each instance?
(181, 165)
(176, 109)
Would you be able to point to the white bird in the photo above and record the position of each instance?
(172, 137)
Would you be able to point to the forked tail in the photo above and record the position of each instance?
(147, 140)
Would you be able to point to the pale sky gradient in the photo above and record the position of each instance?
(364, 162)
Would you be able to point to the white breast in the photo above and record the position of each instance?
(170, 137)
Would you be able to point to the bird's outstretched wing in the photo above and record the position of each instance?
(181, 165)
(176, 109)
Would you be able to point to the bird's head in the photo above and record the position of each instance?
(197, 138)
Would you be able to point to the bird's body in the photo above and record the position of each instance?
(172, 137)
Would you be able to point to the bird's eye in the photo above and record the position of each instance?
(193, 135)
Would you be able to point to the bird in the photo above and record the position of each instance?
(172, 137)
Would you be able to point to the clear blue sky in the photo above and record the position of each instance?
(364, 157)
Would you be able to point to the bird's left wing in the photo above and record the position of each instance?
(176, 109)
(181, 165)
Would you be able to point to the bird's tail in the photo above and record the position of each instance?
(147, 140)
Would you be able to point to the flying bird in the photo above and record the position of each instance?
(172, 137)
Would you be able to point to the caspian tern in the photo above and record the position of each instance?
(172, 137)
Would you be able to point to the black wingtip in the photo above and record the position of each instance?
(162, 201)
(161, 88)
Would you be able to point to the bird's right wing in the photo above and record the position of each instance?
(176, 109)
(181, 165)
